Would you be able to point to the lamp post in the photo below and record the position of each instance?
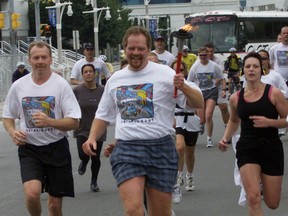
(59, 13)
(146, 3)
(96, 21)
(37, 19)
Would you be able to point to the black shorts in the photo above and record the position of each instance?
(49, 164)
(267, 152)
(190, 137)
(231, 74)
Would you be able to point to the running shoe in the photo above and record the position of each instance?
(209, 143)
(177, 195)
(202, 129)
(94, 186)
(180, 180)
(190, 183)
(82, 168)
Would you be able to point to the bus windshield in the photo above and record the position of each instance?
(221, 30)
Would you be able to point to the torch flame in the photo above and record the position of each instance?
(186, 28)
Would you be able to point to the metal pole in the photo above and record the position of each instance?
(96, 29)
(59, 33)
(37, 19)
(146, 3)
(13, 37)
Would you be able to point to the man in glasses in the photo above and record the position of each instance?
(188, 58)
(207, 75)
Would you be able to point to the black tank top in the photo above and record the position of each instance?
(262, 107)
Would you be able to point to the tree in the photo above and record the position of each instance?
(110, 31)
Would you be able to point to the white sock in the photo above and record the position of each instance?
(208, 138)
(189, 174)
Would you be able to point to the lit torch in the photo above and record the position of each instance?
(181, 35)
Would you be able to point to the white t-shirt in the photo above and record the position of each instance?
(192, 123)
(100, 67)
(205, 75)
(279, 59)
(275, 80)
(54, 97)
(219, 62)
(141, 102)
(165, 58)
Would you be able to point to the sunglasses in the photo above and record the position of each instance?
(264, 58)
(202, 55)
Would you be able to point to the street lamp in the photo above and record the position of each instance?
(96, 21)
(146, 3)
(59, 13)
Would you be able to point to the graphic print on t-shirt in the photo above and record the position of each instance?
(45, 104)
(135, 101)
(205, 80)
(162, 61)
(282, 58)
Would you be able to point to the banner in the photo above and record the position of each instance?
(153, 26)
(52, 16)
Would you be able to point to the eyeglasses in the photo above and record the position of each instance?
(264, 58)
(202, 55)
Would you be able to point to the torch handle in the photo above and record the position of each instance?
(178, 65)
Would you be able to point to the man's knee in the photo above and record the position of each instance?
(55, 206)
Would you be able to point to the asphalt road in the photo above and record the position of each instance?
(215, 192)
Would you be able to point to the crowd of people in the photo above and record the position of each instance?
(155, 132)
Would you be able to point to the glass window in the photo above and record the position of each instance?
(262, 30)
(223, 36)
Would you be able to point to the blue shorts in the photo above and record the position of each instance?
(155, 159)
(211, 94)
(50, 164)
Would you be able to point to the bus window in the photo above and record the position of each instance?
(221, 34)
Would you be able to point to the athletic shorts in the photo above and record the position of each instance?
(189, 136)
(50, 164)
(231, 74)
(155, 159)
(211, 94)
(267, 152)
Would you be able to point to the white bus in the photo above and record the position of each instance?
(244, 30)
